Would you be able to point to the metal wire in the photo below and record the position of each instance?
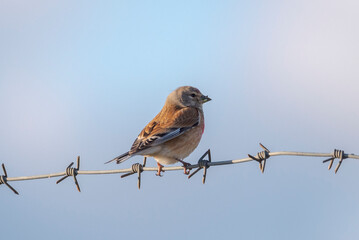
(261, 157)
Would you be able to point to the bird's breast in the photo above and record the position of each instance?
(182, 146)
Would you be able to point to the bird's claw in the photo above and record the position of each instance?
(185, 169)
(185, 165)
(159, 170)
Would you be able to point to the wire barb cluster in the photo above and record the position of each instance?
(72, 172)
(202, 163)
(261, 157)
(336, 154)
(3, 180)
(136, 168)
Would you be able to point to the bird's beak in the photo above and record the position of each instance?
(205, 99)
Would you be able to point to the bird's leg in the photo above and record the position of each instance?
(185, 164)
(159, 169)
(144, 161)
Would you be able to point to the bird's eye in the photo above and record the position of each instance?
(193, 95)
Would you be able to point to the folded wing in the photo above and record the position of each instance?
(166, 126)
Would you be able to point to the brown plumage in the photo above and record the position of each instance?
(176, 130)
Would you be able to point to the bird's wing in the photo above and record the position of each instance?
(166, 126)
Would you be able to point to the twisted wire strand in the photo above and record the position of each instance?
(2, 179)
(176, 168)
(70, 171)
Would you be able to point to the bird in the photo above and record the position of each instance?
(174, 133)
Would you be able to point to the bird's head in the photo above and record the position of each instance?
(188, 96)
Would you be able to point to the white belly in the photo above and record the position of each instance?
(165, 160)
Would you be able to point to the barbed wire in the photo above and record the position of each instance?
(202, 163)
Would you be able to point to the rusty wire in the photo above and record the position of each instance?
(261, 158)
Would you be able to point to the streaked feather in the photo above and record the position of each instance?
(121, 158)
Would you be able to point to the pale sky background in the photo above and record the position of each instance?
(84, 77)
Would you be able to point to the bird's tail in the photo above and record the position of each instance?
(121, 158)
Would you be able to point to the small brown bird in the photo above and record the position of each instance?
(174, 133)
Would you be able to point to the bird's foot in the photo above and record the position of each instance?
(159, 170)
(185, 165)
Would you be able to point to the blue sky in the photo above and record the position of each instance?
(83, 78)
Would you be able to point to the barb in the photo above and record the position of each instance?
(261, 157)
(3, 180)
(137, 168)
(203, 164)
(336, 154)
(72, 172)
